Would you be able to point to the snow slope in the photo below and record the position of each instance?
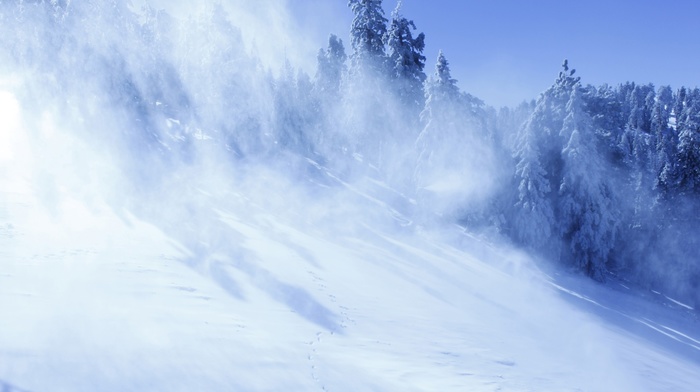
(222, 290)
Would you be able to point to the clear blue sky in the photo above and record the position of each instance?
(505, 51)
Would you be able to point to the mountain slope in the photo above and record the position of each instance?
(244, 296)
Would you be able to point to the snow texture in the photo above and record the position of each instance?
(178, 214)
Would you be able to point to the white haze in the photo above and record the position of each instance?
(271, 29)
(169, 243)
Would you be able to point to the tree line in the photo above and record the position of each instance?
(603, 179)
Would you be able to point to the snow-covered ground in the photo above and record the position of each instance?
(239, 294)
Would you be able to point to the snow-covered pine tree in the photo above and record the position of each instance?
(649, 101)
(452, 148)
(367, 34)
(641, 103)
(666, 139)
(291, 120)
(587, 215)
(327, 95)
(330, 69)
(636, 105)
(372, 117)
(678, 105)
(538, 166)
(406, 60)
(661, 112)
(565, 83)
(307, 106)
(533, 219)
(688, 158)
(624, 94)
(441, 125)
(605, 109)
(441, 92)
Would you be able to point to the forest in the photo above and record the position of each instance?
(602, 180)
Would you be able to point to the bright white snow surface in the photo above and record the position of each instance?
(222, 289)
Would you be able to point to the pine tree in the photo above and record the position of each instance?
(406, 59)
(441, 93)
(566, 82)
(649, 101)
(292, 111)
(678, 105)
(286, 122)
(666, 139)
(367, 33)
(636, 105)
(640, 102)
(371, 116)
(587, 215)
(452, 146)
(440, 118)
(534, 213)
(688, 158)
(538, 166)
(624, 96)
(330, 68)
(605, 109)
(449, 129)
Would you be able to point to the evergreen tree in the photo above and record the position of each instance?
(367, 34)
(452, 146)
(538, 166)
(286, 121)
(291, 121)
(678, 105)
(688, 158)
(565, 83)
(440, 118)
(330, 68)
(605, 109)
(636, 105)
(665, 137)
(441, 91)
(638, 142)
(534, 213)
(371, 121)
(649, 102)
(624, 95)
(641, 102)
(406, 59)
(587, 215)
